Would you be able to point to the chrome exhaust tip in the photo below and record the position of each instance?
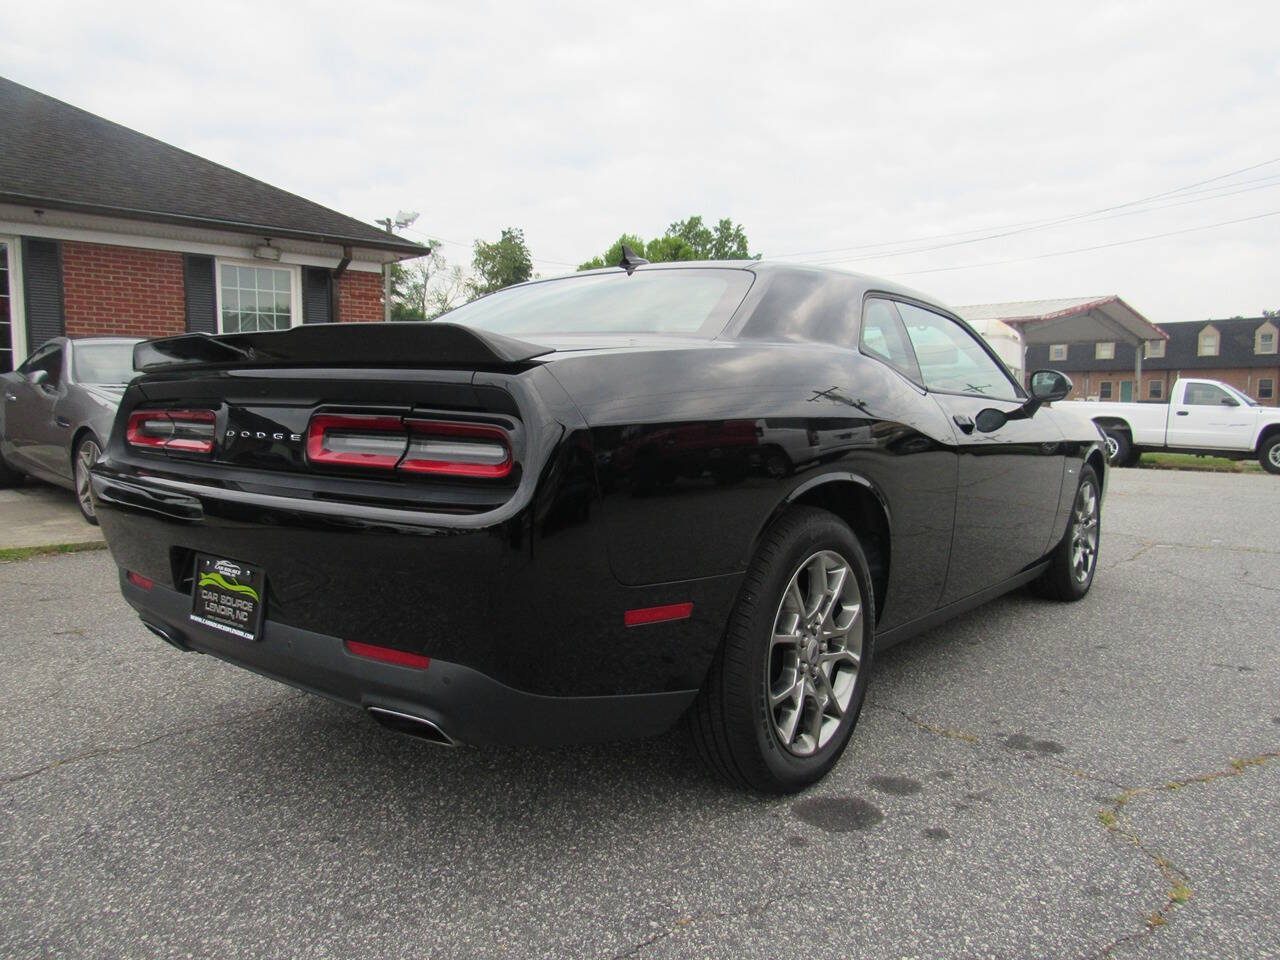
(411, 725)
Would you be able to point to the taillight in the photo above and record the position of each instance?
(184, 431)
(436, 447)
(138, 580)
(356, 441)
(457, 449)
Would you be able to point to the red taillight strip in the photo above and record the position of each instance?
(400, 658)
(320, 425)
(138, 580)
(457, 468)
(644, 615)
(137, 436)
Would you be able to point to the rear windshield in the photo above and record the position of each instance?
(649, 301)
(109, 363)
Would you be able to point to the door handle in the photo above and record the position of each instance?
(965, 423)
(10, 396)
(62, 421)
(1182, 413)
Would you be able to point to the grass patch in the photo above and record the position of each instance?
(10, 554)
(1180, 893)
(1107, 819)
(1188, 461)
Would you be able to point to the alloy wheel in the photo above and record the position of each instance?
(1084, 532)
(815, 653)
(87, 455)
(1274, 456)
(1113, 448)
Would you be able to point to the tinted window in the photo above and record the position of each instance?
(884, 337)
(1205, 395)
(648, 301)
(804, 305)
(951, 359)
(103, 362)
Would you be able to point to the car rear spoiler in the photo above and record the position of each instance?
(345, 344)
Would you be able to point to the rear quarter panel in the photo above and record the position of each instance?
(697, 448)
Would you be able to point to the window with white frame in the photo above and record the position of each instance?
(1155, 389)
(1104, 390)
(1153, 348)
(1265, 342)
(1266, 389)
(1207, 344)
(1057, 351)
(252, 298)
(7, 359)
(1105, 350)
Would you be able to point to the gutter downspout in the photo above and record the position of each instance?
(334, 276)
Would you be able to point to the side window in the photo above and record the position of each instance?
(884, 338)
(951, 359)
(1205, 395)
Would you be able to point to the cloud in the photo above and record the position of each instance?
(820, 126)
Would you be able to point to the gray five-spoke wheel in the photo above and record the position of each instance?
(1084, 531)
(1274, 456)
(1113, 448)
(815, 653)
(87, 455)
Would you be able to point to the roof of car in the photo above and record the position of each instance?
(869, 283)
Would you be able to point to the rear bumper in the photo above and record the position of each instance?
(467, 705)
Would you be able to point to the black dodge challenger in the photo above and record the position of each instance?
(587, 507)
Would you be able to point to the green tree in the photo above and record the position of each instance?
(689, 239)
(411, 284)
(501, 263)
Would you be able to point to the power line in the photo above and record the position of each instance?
(1099, 219)
(1100, 246)
(1025, 226)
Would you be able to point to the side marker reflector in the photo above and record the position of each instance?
(672, 611)
(138, 580)
(400, 658)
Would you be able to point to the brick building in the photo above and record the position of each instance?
(104, 230)
(1241, 351)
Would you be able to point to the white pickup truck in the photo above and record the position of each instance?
(1201, 416)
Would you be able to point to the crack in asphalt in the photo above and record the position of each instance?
(1114, 820)
(686, 920)
(138, 745)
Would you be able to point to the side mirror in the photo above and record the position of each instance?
(1046, 387)
(1049, 385)
(990, 419)
(38, 378)
(1229, 402)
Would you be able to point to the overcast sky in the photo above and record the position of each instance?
(827, 127)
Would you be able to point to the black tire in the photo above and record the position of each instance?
(1269, 454)
(9, 477)
(1062, 580)
(86, 444)
(1119, 446)
(733, 724)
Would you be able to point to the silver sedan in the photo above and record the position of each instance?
(58, 409)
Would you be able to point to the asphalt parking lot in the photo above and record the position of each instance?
(1031, 780)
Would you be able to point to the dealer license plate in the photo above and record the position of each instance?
(227, 596)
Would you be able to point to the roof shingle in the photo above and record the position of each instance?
(58, 156)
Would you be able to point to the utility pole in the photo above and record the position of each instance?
(401, 220)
